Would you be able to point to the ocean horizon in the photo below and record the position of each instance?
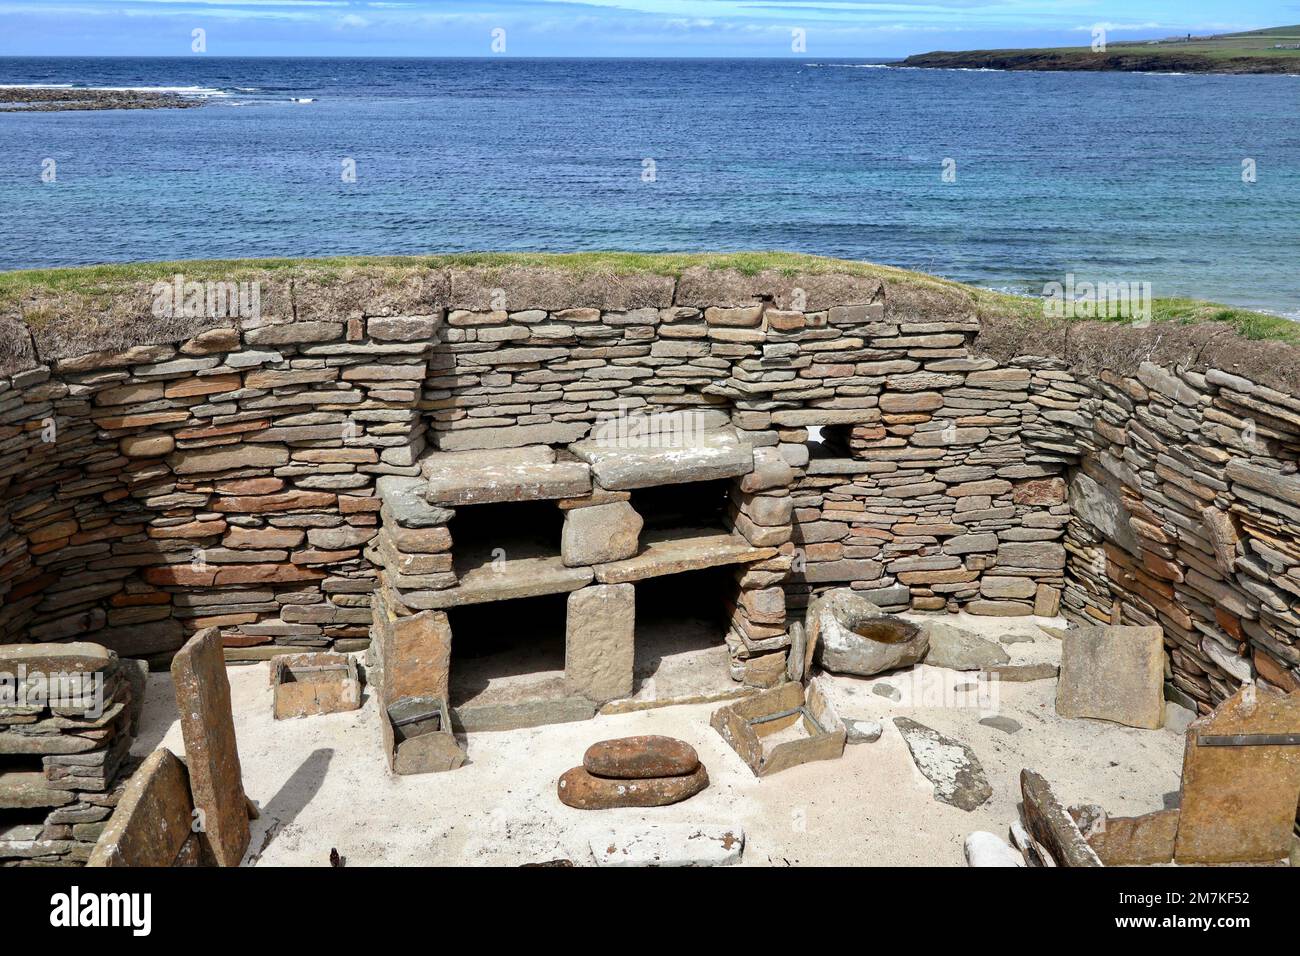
(1007, 180)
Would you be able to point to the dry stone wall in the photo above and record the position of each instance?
(159, 478)
(1185, 511)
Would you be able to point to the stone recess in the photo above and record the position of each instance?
(850, 635)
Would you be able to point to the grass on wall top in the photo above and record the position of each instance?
(93, 284)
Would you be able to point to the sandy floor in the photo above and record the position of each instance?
(322, 782)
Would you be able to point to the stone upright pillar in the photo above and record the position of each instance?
(208, 728)
(599, 645)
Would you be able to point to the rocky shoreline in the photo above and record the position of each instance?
(31, 99)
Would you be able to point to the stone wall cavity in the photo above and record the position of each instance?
(157, 478)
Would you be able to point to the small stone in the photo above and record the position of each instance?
(999, 722)
(641, 758)
(1023, 673)
(888, 691)
(669, 844)
(986, 849)
(960, 650)
(579, 789)
(862, 731)
(1177, 717)
(952, 767)
(599, 534)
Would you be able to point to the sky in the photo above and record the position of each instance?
(762, 28)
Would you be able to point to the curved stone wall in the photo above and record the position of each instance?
(159, 476)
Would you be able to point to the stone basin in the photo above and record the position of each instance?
(847, 634)
(886, 629)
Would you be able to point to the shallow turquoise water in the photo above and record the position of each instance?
(1111, 177)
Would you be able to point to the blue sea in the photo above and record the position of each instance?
(1106, 176)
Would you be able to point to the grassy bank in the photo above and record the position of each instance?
(43, 295)
(1276, 50)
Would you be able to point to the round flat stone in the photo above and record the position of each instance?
(640, 758)
(579, 789)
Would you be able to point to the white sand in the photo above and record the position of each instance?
(322, 782)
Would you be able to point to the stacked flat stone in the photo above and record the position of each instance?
(647, 771)
(63, 753)
(1184, 515)
(226, 480)
(159, 477)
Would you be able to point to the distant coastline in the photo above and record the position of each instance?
(1276, 50)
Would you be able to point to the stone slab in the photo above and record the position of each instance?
(73, 657)
(1051, 824)
(512, 474)
(599, 646)
(153, 819)
(951, 766)
(1147, 840)
(702, 456)
(473, 718)
(668, 844)
(25, 790)
(519, 578)
(413, 653)
(671, 552)
(1239, 803)
(211, 752)
(1115, 673)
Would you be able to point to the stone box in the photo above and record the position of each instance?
(782, 728)
(418, 737)
(310, 684)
